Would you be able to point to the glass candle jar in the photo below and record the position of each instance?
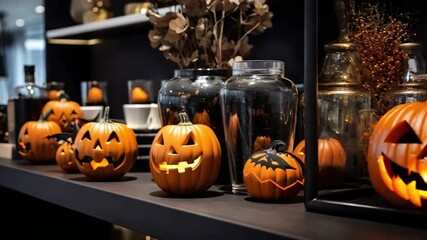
(258, 106)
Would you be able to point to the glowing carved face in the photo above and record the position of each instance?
(397, 155)
(105, 150)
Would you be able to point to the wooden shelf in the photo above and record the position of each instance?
(107, 27)
(141, 206)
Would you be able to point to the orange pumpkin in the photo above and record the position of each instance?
(95, 96)
(105, 150)
(332, 160)
(65, 157)
(34, 145)
(64, 112)
(185, 158)
(273, 174)
(261, 143)
(202, 118)
(397, 155)
(53, 94)
(139, 95)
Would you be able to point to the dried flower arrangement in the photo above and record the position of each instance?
(208, 33)
(378, 36)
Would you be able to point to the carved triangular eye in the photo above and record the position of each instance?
(112, 136)
(26, 131)
(86, 135)
(190, 140)
(402, 133)
(73, 112)
(160, 140)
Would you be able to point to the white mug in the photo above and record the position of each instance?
(136, 115)
(92, 113)
(153, 121)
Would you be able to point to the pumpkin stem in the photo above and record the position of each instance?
(44, 115)
(106, 117)
(63, 96)
(184, 120)
(277, 146)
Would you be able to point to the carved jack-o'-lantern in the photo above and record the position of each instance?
(139, 95)
(185, 158)
(397, 155)
(64, 112)
(105, 150)
(273, 174)
(34, 145)
(332, 160)
(65, 157)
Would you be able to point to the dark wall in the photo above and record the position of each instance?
(129, 56)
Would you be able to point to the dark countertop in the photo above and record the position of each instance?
(141, 206)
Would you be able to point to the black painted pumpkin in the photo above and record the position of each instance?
(273, 174)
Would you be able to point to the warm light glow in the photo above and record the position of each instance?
(74, 41)
(96, 165)
(181, 166)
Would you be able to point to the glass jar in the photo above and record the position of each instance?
(25, 104)
(414, 85)
(196, 91)
(258, 106)
(340, 87)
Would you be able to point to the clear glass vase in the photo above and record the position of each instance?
(196, 91)
(258, 106)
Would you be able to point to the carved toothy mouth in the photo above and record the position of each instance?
(24, 147)
(181, 166)
(407, 176)
(104, 162)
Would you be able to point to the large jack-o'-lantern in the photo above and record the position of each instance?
(273, 174)
(34, 144)
(397, 155)
(105, 150)
(185, 158)
(64, 112)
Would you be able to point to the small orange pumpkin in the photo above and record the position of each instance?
(95, 96)
(139, 95)
(53, 94)
(202, 118)
(65, 158)
(273, 174)
(185, 158)
(105, 150)
(64, 112)
(397, 155)
(332, 160)
(34, 145)
(261, 143)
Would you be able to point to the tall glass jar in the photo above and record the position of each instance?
(196, 91)
(340, 87)
(258, 106)
(414, 85)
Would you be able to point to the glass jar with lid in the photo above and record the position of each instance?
(258, 106)
(340, 88)
(414, 84)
